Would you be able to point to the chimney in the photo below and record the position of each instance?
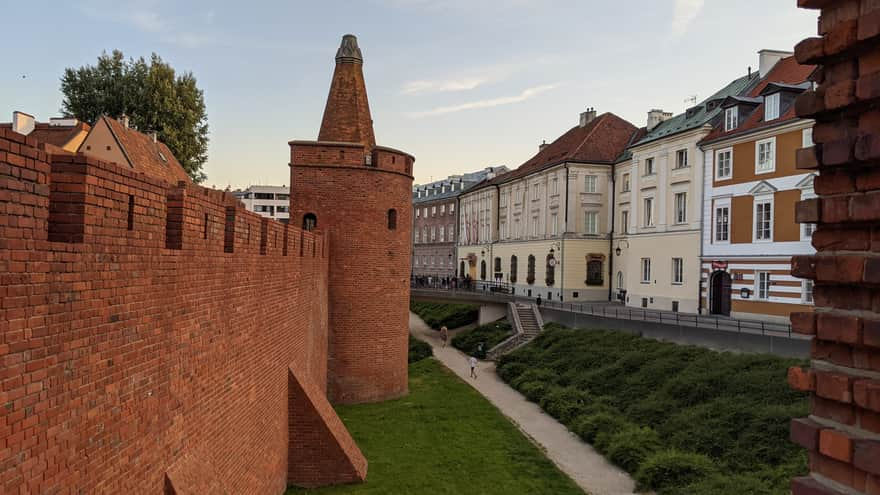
(656, 116)
(767, 59)
(544, 145)
(23, 123)
(153, 136)
(124, 120)
(588, 116)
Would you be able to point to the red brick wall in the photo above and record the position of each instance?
(128, 356)
(842, 433)
(370, 267)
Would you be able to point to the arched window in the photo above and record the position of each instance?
(620, 280)
(513, 269)
(392, 219)
(310, 222)
(483, 270)
(594, 273)
(551, 270)
(530, 276)
(497, 265)
(461, 269)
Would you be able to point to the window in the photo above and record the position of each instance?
(731, 118)
(535, 192)
(461, 269)
(442, 209)
(649, 166)
(534, 226)
(497, 265)
(433, 211)
(722, 224)
(310, 222)
(771, 107)
(765, 156)
(417, 236)
(551, 270)
(433, 234)
(530, 274)
(418, 212)
(646, 270)
(620, 280)
(590, 183)
(554, 227)
(594, 272)
(442, 234)
(426, 212)
(762, 285)
(425, 237)
(724, 164)
(649, 212)
(392, 219)
(807, 292)
(677, 271)
(451, 208)
(807, 138)
(591, 222)
(680, 208)
(483, 270)
(626, 184)
(503, 228)
(807, 230)
(555, 185)
(681, 159)
(764, 220)
(282, 209)
(513, 269)
(624, 221)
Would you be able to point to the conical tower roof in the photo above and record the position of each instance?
(347, 116)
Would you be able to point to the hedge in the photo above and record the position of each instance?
(418, 350)
(468, 341)
(681, 419)
(452, 316)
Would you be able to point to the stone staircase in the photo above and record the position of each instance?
(527, 324)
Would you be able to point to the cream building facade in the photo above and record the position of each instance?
(545, 228)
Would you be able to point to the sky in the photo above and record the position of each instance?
(460, 84)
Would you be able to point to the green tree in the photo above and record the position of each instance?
(151, 94)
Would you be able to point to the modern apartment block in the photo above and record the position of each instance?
(268, 201)
(545, 228)
(751, 187)
(435, 221)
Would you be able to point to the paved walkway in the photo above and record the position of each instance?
(575, 458)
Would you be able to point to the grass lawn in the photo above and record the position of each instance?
(450, 315)
(445, 438)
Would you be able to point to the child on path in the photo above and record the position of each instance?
(473, 362)
(444, 335)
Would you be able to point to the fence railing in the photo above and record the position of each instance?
(620, 312)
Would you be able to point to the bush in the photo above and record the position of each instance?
(672, 468)
(604, 424)
(510, 370)
(418, 350)
(736, 484)
(534, 390)
(564, 404)
(631, 446)
(470, 341)
(452, 316)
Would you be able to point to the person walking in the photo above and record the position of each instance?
(473, 363)
(538, 301)
(444, 335)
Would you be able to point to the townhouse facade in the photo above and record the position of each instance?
(268, 201)
(751, 187)
(544, 229)
(435, 222)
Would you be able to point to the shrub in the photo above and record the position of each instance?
(469, 341)
(673, 468)
(564, 403)
(534, 390)
(736, 484)
(418, 350)
(631, 446)
(600, 424)
(437, 315)
(510, 370)
(534, 375)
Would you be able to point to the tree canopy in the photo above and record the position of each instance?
(151, 94)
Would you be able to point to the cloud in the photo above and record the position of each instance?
(473, 78)
(419, 87)
(489, 103)
(148, 20)
(684, 13)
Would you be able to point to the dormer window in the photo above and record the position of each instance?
(771, 107)
(731, 118)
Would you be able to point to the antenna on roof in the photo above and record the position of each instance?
(691, 99)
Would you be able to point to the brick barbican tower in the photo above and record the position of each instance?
(359, 195)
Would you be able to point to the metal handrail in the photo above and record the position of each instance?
(640, 314)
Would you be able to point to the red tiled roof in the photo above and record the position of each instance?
(786, 71)
(145, 155)
(55, 135)
(601, 141)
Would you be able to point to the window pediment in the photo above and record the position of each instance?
(762, 188)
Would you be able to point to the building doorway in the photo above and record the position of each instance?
(720, 293)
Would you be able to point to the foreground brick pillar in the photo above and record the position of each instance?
(843, 430)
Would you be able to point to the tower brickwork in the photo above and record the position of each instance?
(358, 195)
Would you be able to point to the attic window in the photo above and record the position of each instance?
(163, 157)
(771, 107)
(731, 118)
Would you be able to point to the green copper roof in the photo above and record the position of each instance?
(699, 115)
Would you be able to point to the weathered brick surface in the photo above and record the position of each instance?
(146, 331)
(846, 346)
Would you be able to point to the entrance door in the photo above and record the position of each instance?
(720, 288)
(472, 267)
